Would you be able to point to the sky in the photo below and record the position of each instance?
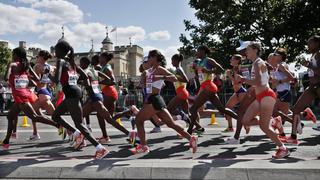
(151, 24)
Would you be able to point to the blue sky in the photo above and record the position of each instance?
(150, 23)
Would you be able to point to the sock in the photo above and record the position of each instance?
(99, 147)
(294, 136)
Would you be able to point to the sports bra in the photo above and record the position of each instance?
(264, 75)
(150, 83)
(314, 64)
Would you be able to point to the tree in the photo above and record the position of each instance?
(287, 23)
(5, 57)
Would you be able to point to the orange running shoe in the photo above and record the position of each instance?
(310, 115)
(140, 149)
(100, 154)
(290, 140)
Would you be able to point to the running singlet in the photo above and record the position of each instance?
(180, 87)
(278, 75)
(108, 90)
(314, 64)
(45, 77)
(205, 79)
(20, 91)
(94, 79)
(69, 77)
(150, 83)
(203, 63)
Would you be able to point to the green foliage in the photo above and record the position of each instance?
(286, 23)
(5, 57)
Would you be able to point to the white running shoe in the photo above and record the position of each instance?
(34, 137)
(155, 130)
(232, 140)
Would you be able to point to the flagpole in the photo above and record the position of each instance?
(116, 36)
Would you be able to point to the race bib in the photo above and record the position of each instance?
(73, 78)
(21, 81)
(245, 73)
(149, 84)
(95, 86)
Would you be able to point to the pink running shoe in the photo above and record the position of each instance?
(5, 147)
(100, 154)
(290, 140)
(140, 149)
(281, 153)
(14, 135)
(194, 144)
(310, 115)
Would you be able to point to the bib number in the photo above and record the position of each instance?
(73, 78)
(149, 84)
(21, 82)
(95, 87)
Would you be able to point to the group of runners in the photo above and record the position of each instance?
(261, 91)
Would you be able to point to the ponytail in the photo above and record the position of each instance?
(21, 54)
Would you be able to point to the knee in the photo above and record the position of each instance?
(55, 116)
(193, 110)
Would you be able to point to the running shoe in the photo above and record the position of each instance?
(290, 140)
(310, 115)
(100, 154)
(78, 142)
(62, 132)
(281, 153)
(316, 128)
(140, 149)
(199, 131)
(282, 138)
(132, 137)
(5, 147)
(232, 140)
(104, 140)
(14, 135)
(155, 130)
(34, 137)
(276, 123)
(228, 129)
(193, 143)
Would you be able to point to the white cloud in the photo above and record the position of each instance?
(159, 35)
(18, 19)
(59, 11)
(38, 45)
(28, 1)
